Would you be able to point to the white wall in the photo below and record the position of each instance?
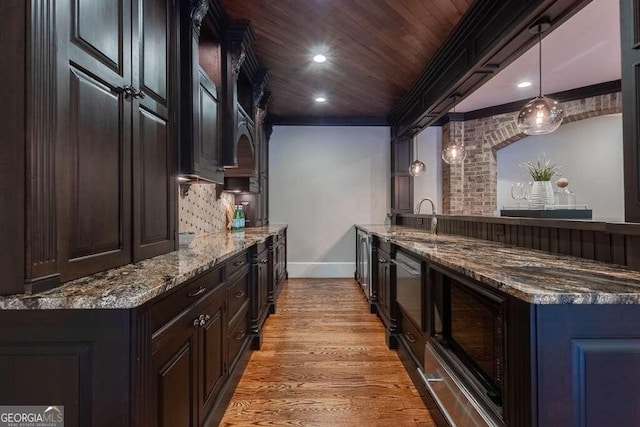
(322, 181)
(429, 149)
(590, 153)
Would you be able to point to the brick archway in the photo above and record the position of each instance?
(471, 188)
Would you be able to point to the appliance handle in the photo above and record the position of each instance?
(406, 267)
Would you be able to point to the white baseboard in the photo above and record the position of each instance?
(321, 269)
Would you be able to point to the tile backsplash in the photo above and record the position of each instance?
(200, 212)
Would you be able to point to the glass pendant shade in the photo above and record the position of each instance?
(417, 168)
(454, 153)
(540, 116)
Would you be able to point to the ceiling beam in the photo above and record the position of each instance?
(490, 36)
(326, 121)
(597, 89)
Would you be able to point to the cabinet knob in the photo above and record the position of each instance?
(204, 320)
(199, 321)
(128, 91)
(132, 92)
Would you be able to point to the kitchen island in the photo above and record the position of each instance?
(159, 342)
(502, 335)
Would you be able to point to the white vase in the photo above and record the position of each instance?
(541, 195)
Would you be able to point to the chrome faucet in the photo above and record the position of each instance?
(434, 220)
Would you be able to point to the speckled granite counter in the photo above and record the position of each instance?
(533, 276)
(134, 284)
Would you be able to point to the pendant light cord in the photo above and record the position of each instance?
(540, 60)
(455, 125)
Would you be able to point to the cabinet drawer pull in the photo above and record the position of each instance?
(237, 263)
(240, 335)
(381, 260)
(264, 261)
(410, 338)
(240, 294)
(197, 292)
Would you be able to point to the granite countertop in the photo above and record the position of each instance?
(533, 276)
(132, 285)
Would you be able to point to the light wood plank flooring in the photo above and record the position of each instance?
(324, 362)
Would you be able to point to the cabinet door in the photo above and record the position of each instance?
(262, 284)
(401, 179)
(213, 363)
(283, 258)
(277, 255)
(93, 155)
(154, 139)
(401, 155)
(173, 385)
(382, 288)
(208, 136)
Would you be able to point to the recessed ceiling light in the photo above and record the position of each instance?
(319, 58)
(524, 84)
(321, 99)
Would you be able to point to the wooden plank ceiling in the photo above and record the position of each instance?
(375, 48)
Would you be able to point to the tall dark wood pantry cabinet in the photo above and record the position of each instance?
(98, 133)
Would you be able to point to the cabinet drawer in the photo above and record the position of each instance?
(237, 294)
(173, 304)
(412, 337)
(384, 246)
(237, 262)
(261, 247)
(238, 335)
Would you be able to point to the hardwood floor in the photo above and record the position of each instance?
(324, 362)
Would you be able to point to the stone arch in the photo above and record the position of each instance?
(574, 111)
(471, 188)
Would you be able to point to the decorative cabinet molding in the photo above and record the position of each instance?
(42, 113)
(199, 9)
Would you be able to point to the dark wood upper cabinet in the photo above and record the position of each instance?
(630, 37)
(201, 77)
(401, 179)
(94, 155)
(154, 136)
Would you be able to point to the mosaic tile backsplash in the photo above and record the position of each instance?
(200, 212)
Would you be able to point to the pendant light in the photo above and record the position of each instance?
(455, 153)
(541, 115)
(417, 167)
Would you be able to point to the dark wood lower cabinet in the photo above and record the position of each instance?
(385, 279)
(173, 386)
(556, 365)
(173, 362)
(259, 297)
(212, 363)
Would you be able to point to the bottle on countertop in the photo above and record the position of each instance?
(242, 218)
(235, 225)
